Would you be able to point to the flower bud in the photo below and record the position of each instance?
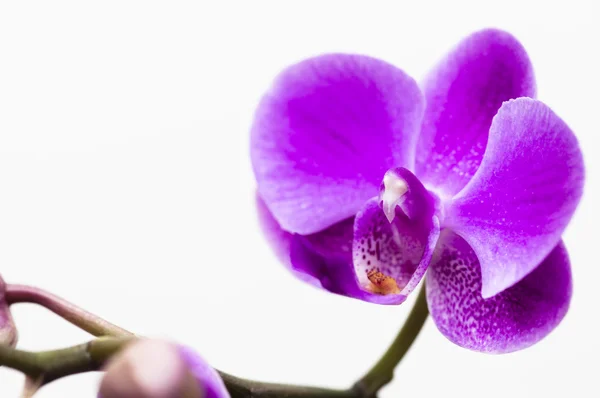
(159, 369)
(8, 331)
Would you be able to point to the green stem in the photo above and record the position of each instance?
(51, 365)
(79, 317)
(383, 371)
(241, 388)
(47, 366)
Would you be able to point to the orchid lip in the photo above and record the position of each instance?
(391, 235)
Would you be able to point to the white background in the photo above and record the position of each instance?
(125, 184)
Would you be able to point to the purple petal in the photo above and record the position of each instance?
(326, 257)
(515, 209)
(463, 93)
(317, 259)
(306, 266)
(391, 258)
(515, 319)
(325, 134)
(278, 239)
(206, 376)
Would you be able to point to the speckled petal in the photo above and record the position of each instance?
(463, 93)
(325, 134)
(512, 320)
(516, 207)
(207, 377)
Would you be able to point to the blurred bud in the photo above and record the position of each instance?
(159, 369)
(8, 331)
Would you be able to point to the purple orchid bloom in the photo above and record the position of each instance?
(366, 181)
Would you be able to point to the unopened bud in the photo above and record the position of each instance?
(8, 331)
(159, 369)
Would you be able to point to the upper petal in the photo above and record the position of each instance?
(512, 320)
(325, 134)
(463, 93)
(516, 207)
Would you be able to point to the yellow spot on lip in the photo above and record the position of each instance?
(381, 283)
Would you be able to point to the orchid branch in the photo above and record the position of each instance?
(79, 317)
(241, 388)
(47, 366)
(383, 371)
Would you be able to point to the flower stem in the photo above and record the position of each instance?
(241, 388)
(47, 366)
(79, 317)
(383, 371)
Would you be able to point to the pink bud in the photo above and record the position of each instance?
(150, 369)
(8, 331)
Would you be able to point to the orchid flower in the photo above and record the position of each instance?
(367, 182)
